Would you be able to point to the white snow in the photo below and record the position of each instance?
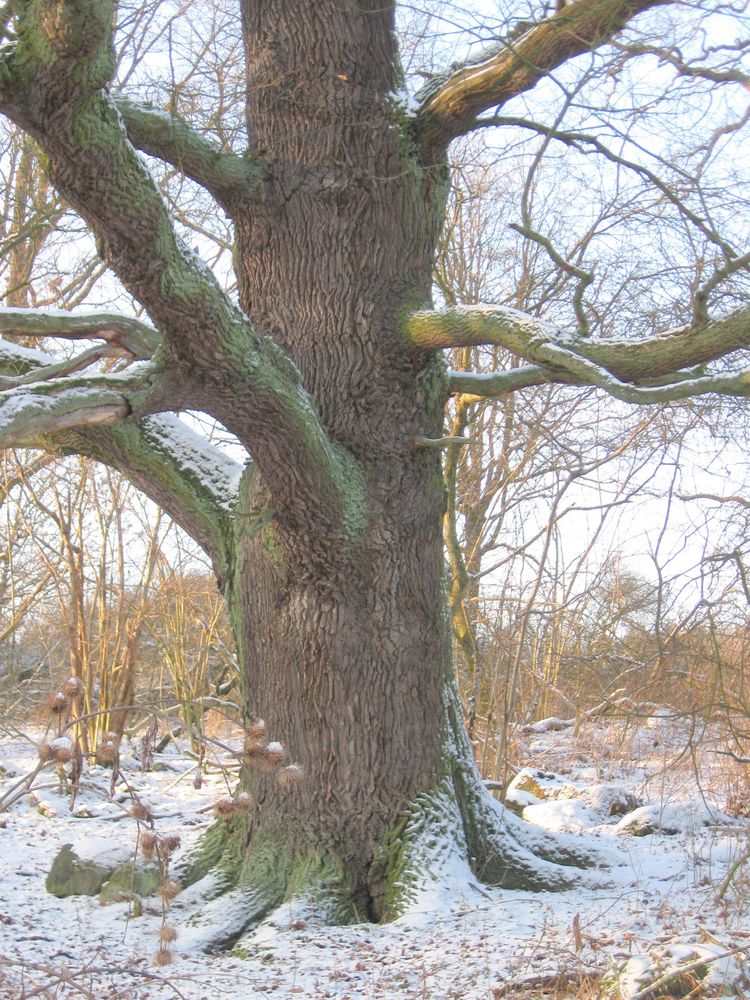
(104, 850)
(197, 456)
(30, 354)
(680, 816)
(654, 910)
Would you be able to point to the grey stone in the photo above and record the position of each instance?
(83, 869)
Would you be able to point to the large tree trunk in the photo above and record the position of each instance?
(351, 672)
(344, 640)
(332, 560)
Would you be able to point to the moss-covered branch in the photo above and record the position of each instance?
(227, 176)
(449, 105)
(131, 335)
(28, 412)
(654, 369)
(212, 357)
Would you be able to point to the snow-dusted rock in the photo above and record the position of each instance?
(608, 800)
(81, 870)
(540, 784)
(680, 816)
(562, 815)
(130, 880)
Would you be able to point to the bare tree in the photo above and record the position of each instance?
(329, 372)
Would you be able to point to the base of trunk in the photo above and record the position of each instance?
(454, 838)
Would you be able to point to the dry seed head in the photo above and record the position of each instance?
(163, 957)
(168, 890)
(276, 755)
(257, 731)
(62, 751)
(45, 752)
(290, 776)
(167, 934)
(243, 802)
(141, 812)
(225, 809)
(256, 755)
(266, 758)
(109, 748)
(58, 703)
(73, 688)
(148, 845)
(171, 841)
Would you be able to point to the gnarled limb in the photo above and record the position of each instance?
(640, 371)
(226, 176)
(28, 412)
(130, 335)
(449, 106)
(213, 357)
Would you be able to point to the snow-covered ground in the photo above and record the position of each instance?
(657, 910)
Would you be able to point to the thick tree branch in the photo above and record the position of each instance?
(212, 359)
(645, 362)
(28, 412)
(59, 369)
(227, 177)
(133, 337)
(495, 384)
(450, 105)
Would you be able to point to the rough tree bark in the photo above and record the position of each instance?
(329, 553)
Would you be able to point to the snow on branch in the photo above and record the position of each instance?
(200, 460)
(16, 359)
(27, 414)
(493, 384)
(652, 370)
(131, 336)
(472, 326)
(168, 138)
(450, 104)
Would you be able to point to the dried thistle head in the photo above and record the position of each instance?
(109, 748)
(62, 750)
(265, 758)
(167, 934)
(276, 754)
(257, 732)
(225, 809)
(290, 776)
(44, 752)
(243, 802)
(148, 845)
(254, 752)
(73, 688)
(168, 890)
(58, 703)
(171, 841)
(141, 812)
(163, 957)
